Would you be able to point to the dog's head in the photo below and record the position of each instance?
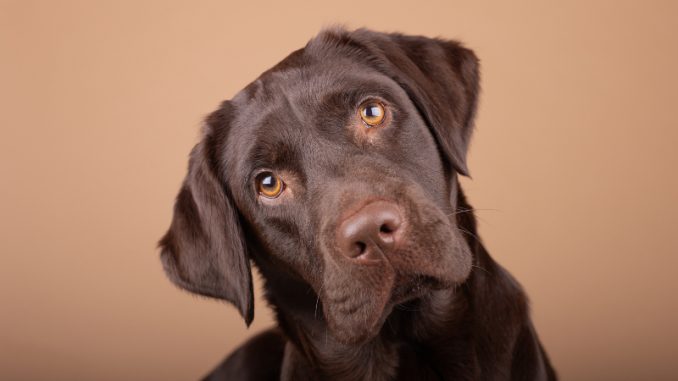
(338, 168)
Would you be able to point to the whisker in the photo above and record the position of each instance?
(390, 326)
(317, 300)
(479, 218)
(461, 211)
(469, 233)
(403, 307)
(478, 267)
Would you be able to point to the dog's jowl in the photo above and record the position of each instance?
(336, 174)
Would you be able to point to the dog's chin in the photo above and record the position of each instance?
(359, 324)
(356, 311)
(359, 327)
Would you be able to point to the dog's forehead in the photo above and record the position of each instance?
(298, 90)
(287, 99)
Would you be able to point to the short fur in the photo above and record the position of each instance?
(436, 307)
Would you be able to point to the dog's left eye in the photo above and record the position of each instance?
(269, 184)
(372, 113)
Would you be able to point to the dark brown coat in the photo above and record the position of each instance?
(370, 254)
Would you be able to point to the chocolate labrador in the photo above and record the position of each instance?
(336, 174)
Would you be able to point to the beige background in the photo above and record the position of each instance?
(573, 162)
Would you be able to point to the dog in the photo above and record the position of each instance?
(336, 173)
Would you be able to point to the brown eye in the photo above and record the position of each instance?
(372, 113)
(269, 185)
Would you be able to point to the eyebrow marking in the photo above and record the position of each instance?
(274, 148)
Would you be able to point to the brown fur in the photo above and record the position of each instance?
(435, 307)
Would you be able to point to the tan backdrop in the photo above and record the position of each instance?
(573, 162)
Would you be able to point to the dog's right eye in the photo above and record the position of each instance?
(372, 113)
(269, 185)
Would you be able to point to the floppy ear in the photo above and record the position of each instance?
(204, 250)
(441, 77)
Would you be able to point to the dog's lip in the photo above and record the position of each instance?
(416, 287)
(368, 259)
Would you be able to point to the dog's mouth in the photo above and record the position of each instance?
(367, 297)
(417, 287)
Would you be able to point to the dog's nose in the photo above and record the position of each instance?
(371, 230)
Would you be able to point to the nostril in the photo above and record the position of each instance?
(385, 229)
(359, 249)
(388, 229)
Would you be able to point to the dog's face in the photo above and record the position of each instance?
(336, 167)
